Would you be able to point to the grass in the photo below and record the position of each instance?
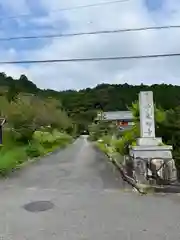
(14, 155)
(108, 150)
(102, 147)
(11, 158)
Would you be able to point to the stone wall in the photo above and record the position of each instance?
(146, 171)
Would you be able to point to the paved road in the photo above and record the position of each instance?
(89, 202)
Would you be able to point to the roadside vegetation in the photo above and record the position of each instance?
(34, 127)
(111, 141)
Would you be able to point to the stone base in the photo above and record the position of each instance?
(141, 155)
(149, 141)
(147, 152)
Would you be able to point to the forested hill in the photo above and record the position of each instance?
(118, 97)
(82, 105)
(22, 84)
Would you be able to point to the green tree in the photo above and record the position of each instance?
(12, 93)
(30, 113)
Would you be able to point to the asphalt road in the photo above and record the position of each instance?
(90, 202)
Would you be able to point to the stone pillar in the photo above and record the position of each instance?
(150, 149)
(147, 115)
(147, 123)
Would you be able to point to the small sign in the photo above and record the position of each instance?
(2, 121)
(0, 135)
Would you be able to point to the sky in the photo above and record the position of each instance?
(44, 17)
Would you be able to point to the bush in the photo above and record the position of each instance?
(13, 154)
(107, 139)
(128, 139)
(97, 131)
(91, 138)
(25, 114)
(61, 139)
(102, 147)
(52, 140)
(11, 158)
(9, 140)
(44, 138)
(23, 135)
(34, 150)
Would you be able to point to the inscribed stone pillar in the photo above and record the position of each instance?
(146, 105)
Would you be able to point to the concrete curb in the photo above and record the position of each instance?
(173, 188)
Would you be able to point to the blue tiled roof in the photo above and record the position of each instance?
(117, 115)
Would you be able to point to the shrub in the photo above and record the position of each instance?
(34, 150)
(23, 134)
(102, 147)
(9, 139)
(129, 138)
(50, 140)
(11, 158)
(107, 139)
(61, 138)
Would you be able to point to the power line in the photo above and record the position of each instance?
(68, 8)
(91, 59)
(88, 33)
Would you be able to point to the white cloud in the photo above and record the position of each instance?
(129, 14)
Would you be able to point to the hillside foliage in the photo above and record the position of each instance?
(81, 106)
(35, 124)
(29, 108)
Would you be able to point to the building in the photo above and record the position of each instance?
(123, 119)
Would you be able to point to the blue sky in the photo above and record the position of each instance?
(43, 19)
(27, 25)
(154, 5)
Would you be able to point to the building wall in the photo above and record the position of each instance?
(124, 123)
